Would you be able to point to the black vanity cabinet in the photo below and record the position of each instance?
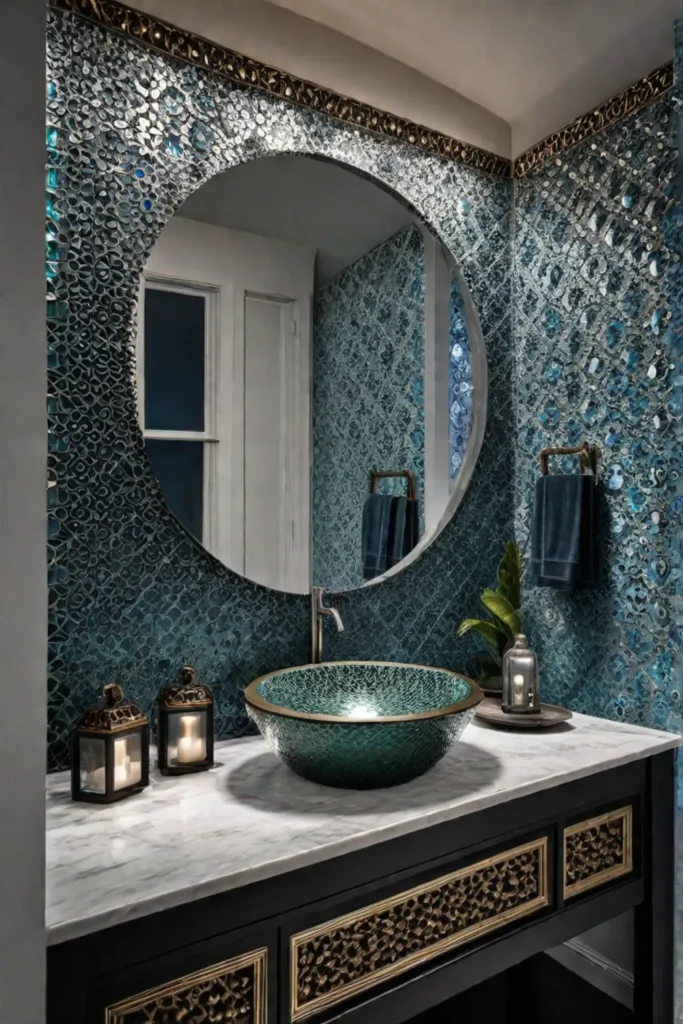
(229, 977)
(386, 933)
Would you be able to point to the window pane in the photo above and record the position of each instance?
(179, 466)
(174, 360)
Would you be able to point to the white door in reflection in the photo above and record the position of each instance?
(224, 369)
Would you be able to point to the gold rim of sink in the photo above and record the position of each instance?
(252, 697)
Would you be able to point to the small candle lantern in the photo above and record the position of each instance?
(521, 690)
(110, 750)
(185, 725)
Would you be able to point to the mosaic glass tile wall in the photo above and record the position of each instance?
(593, 335)
(368, 395)
(673, 238)
(460, 387)
(131, 134)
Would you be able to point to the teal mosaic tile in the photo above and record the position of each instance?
(460, 383)
(362, 750)
(673, 339)
(131, 134)
(358, 689)
(368, 396)
(593, 344)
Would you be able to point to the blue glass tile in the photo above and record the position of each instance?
(460, 386)
(368, 396)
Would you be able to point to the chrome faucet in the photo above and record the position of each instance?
(318, 610)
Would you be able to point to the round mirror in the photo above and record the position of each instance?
(311, 375)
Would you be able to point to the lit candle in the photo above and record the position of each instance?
(121, 763)
(518, 683)
(134, 772)
(191, 746)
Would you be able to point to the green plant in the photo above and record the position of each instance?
(504, 615)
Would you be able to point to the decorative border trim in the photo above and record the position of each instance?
(624, 814)
(257, 959)
(300, 1011)
(634, 98)
(174, 42)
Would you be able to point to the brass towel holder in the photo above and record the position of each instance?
(588, 456)
(382, 474)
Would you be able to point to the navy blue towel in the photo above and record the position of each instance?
(403, 529)
(390, 530)
(377, 512)
(563, 532)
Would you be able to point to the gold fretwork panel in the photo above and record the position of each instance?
(624, 103)
(597, 851)
(233, 992)
(340, 958)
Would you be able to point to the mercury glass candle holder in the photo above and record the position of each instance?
(521, 693)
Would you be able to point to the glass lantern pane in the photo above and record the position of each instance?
(174, 360)
(92, 770)
(187, 738)
(127, 760)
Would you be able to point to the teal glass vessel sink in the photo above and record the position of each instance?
(361, 724)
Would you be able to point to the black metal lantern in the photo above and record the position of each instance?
(110, 750)
(185, 725)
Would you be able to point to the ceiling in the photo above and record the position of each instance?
(297, 199)
(509, 56)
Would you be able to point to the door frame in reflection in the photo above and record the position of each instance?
(212, 514)
(240, 268)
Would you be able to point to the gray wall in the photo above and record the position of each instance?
(22, 513)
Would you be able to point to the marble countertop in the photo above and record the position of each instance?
(250, 818)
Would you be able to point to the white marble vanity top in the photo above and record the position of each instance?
(251, 818)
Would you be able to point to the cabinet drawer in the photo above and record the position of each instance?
(231, 977)
(344, 956)
(232, 990)
(597, 850)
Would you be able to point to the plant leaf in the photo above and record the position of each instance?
(503, 612)
(487, 666)
(510, 575)
(488, 631)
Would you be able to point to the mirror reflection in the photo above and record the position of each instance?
(304, 374)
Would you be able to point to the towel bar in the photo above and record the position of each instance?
(588, 453)
(376, 475)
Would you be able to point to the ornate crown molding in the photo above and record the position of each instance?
(636, 96)
(174, 42)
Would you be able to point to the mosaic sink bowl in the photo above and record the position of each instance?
(361, 724)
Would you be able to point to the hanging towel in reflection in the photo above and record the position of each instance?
(390, 531)
(403, 529)
(563, 532)
(375, 539)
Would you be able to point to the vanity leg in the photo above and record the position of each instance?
(654, 955)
